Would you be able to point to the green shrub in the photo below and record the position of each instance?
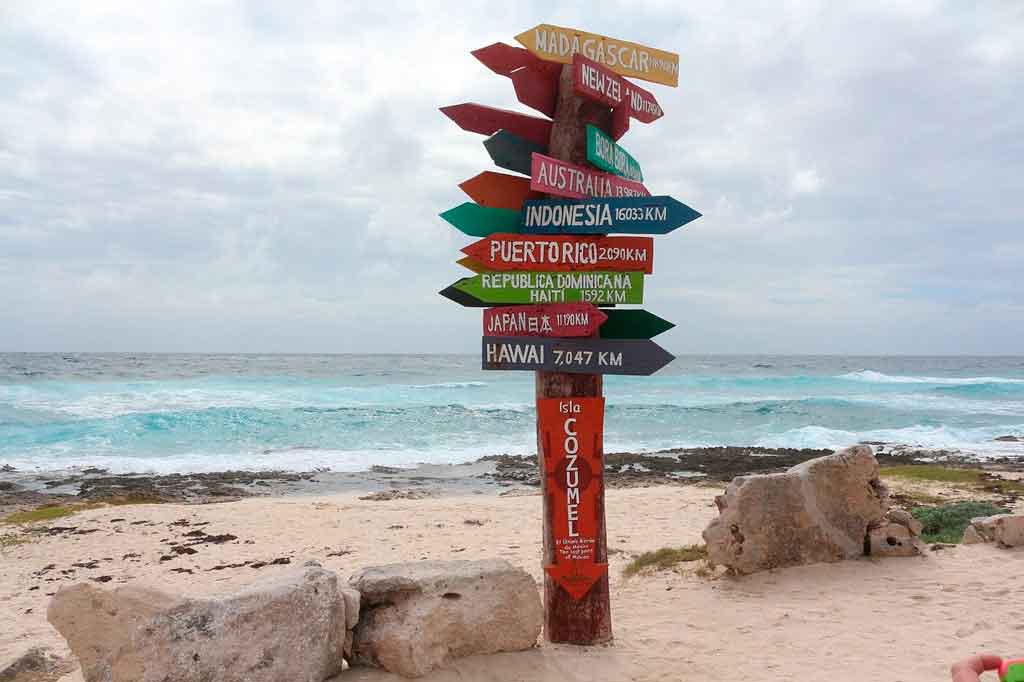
(40, 514)
(665, 558)
(946, 522)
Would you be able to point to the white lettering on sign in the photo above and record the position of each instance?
(507, 323)
(518, 352)
(572, 475)
(582, 182)
(569, 215)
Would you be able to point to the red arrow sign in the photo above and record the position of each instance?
(577, 182)
(552, 319)
(599, 83)
(535, 80)
(477, 118)
(499, 190)
(505, 251)
(571, 431)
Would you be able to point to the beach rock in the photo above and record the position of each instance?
(816, 511)
(904, 518)
(38, 664)
(289, 628)
(416, 616)
(1008, 439)
(1007, 530)
(893, 540)
(972, 536)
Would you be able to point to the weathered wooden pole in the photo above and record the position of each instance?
(587, 620)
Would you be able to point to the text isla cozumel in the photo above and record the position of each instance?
(559, 44)
(549, 252)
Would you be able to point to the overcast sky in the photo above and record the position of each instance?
(266, 176)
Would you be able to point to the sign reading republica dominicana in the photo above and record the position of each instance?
(547, 287)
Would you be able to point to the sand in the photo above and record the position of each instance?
(894, 619)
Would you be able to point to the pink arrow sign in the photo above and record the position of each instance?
(599, 83)
(551, 319)
(477, 118)
(535, 80)
(577, 182)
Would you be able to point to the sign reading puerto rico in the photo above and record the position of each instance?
(505, 251)
(559, 44)
(592, 80)
(639, 357)
(571, 436)
(507, 288)
(553, 319)
(569, 180)
(606, 155)
(631, 215)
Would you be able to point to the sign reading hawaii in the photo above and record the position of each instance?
(559, 44)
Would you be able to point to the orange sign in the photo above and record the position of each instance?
(571, 431)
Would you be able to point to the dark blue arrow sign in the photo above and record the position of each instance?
(512, 152)
(576, 356)
(628, 215)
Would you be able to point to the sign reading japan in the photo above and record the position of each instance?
(569, 180)
(552, 319)
(632, 215)
(534, 252)
(606, 155)
(574, 356)
(547, 287)
(558, 44)
(571, 434)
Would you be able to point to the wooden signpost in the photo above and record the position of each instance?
(544, 263)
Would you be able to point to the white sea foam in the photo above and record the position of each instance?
(873, 377)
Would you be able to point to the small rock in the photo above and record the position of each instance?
(972, 536)
(1009, 439)
(904, 518)
(38, 664)
(893, 540)
(1007, 530)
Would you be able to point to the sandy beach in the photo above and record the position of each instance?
(893, 619)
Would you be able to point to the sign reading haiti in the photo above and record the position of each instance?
(574, 356)
(571, 437)
(558, 44)
(630, 215)
(606, 155)
(569, 180)
(547, 287)
(505, 251)
(553, 319)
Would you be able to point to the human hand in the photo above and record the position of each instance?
(970, 669)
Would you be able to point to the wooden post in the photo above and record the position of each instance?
(566, 620)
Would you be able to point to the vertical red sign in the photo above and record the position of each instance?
(572, 431)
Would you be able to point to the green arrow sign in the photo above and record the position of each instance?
(481, 221)
(498, 288)
(632, 324)
(604, 153)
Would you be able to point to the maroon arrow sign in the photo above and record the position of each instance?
(577, 182)
(477, 118)
(535, 80)
(552, 319)
(600, 83)
(563, 252)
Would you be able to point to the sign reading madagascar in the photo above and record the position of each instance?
(558, 44)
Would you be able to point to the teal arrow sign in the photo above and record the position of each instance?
(481, 221)
(603, 152)
(632, 324)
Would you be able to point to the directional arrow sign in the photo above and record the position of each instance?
(575, 356)
(558, 44)
(502, 288)
(535, 81)
(504, 251)
(631, 215)
(606, 155)
(592, 80)
(569, 180)
(471, 265)
(477, 118)
(632, 324)
(511, 152)
(480, 221)
(552, 319)
(499, 190)
(570, 434)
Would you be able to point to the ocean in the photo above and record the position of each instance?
(194, 412)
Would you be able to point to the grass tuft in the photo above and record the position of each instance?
(934, 472)
(8, 540)
(41, 514)
(946, 523)
(665, 558)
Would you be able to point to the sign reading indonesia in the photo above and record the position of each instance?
(559, 44)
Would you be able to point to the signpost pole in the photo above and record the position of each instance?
(567, 620)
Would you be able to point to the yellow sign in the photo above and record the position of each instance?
(557, 44)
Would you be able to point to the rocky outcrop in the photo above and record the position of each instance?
(1006, 530)
(896, 536)
(820, 510)
(416, 616)
(289, 628)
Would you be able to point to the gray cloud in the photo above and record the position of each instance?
(239, 177)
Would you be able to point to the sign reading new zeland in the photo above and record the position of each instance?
(559, 44)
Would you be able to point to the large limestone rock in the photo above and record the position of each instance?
(1007, 530)
(817, 511)
(416, 616)
(289, 628)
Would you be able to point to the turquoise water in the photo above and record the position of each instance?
(212, 412)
